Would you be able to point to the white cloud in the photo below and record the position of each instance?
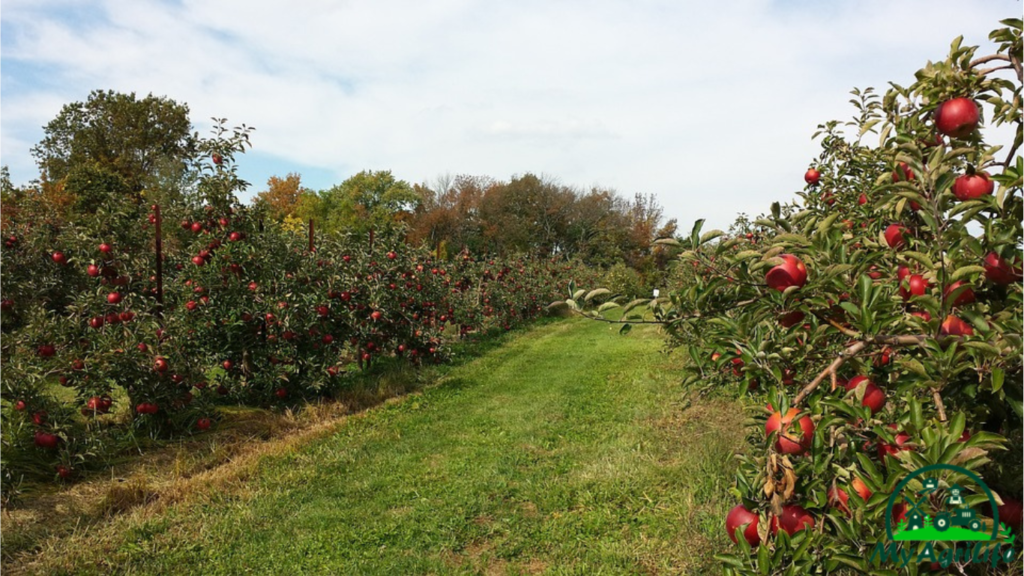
(710, 108)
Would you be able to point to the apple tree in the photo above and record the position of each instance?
(875, 325)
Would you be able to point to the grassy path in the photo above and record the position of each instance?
(570, 450)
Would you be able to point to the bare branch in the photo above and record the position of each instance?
(937, 397)
(1013, 152)
(988, 71)
(845, 355)
(989, 58)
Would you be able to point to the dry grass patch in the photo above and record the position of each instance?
(49, 521)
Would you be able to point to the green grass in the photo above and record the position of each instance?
(568, 450)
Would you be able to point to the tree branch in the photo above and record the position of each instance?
(853, 350)
(845, 355)
(989, 58)
(988, 71)
(1015, 62)
(1009, 157)
(937, 397)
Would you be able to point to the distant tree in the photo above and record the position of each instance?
(282, 196)
(528, 214)
(117, 134)
(449, 212)
(369, 200)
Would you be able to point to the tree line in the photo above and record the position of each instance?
(123, 153)
(482, 215)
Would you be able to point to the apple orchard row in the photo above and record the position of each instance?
(791, 432)
(876, 322)
(242, 313)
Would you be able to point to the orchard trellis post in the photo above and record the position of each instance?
(159, 261)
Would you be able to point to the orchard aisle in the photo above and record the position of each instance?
(568, 449)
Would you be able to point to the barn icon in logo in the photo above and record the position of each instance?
(930, 522)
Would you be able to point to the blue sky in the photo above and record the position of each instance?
(709, 108)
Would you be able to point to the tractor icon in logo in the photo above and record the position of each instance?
(958, 517)
(927, 516)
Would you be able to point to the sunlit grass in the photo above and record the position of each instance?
(569, 449)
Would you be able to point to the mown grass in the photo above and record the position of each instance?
(568, 449)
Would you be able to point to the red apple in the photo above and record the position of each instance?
(114, 298)
(203, 424)
(281, 393)
(198, 260)
(900, 439)
(957, 117)
(235, 236)
(791, 272)
(812, 176)
(923, 315)
(902, 272)
(966, 295)
(790, 319)
(969, 187)
(917, 285)
(793, 519)
(883, 358)
(902, 172)
(838, 498)
(788, 442)
(20, 405)
(954, 326)
(899, 512)
(93, 270)
(228, 364)
(97, 405)
(874, 397)
(96, 322)
(376, 315)
(894, 236)
(862, 199)
(46, 440)
(106, 248)
(217, 159)
(739, 517)
(46, 350)
(39, 418)
(197, 227)
(59, 258)
(998, 271)
(160, 365)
